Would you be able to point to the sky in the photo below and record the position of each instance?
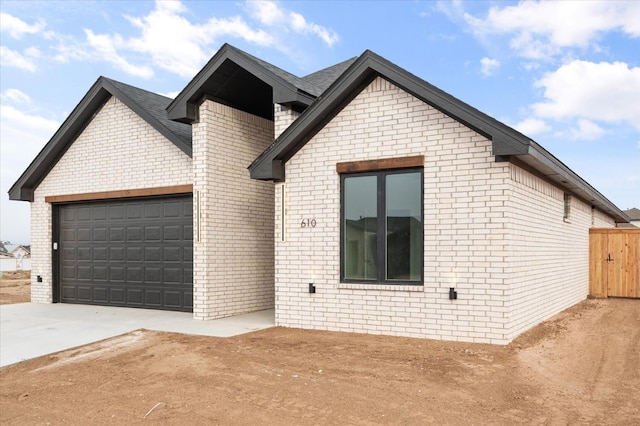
(566, 74)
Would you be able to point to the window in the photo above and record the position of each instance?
(567, 207)
(381, 227)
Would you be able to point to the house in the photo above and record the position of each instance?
(17, 257)
(634, 218)
(374, 202)
(18, 250)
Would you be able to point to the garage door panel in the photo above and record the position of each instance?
(152, 211)
(69, 292)
(128, 253)
(152, 275)
(68, 272)
(116, 212)
(83, 214)
(99, 235)
(116, 274)
(152, 233)
(153, 297)
(134, 233)
(172, 232)
(116, 234)
(173, 209)
(134, 211)
(99, 273)
(117, 296)
(84, 293)
(84, 253)
(134, 296)
(172, 254)
(101, 294)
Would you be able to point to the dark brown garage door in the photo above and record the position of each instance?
(134, 253)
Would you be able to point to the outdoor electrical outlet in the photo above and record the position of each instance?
(453, 294)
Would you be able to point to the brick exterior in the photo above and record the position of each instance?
(548, 256)
(233, 249)
(116, 151)
(283, 116)
(491, 230)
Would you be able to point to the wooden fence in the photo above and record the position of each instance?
(614, 262)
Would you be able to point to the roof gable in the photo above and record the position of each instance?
(149, 106)
(244, 82)
(507, 143)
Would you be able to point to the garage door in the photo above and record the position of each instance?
(133, 253)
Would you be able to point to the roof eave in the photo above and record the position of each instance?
(565, 178)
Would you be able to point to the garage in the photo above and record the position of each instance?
(125, 252)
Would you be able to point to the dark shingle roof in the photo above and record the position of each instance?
(325, 77)
(634, 213)
(156, 105)
(300, 83)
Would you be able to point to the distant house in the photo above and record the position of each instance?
(18, 251)
(373, 202)
(634, 218)
(17, 257)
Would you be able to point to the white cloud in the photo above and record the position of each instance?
(585, 131)
(106, 47)
(267, 12)
(179, 46)
(11, 58)
(14, 118)
(14, 96)
(273, 15)
(488, 66)
(542, 29)
(23, 135)
(532, 126)
(602, 91)
(169, 38)
(16, 27)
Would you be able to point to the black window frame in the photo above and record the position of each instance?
(381, 255)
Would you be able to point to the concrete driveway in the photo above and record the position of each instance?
(30, 330)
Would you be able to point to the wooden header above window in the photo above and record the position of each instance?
(383, 164)
(129, 193)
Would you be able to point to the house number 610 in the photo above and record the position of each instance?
(308, 223)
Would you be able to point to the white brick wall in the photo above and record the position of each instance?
(283, 117)
(233, 258)
(465, 226)
(118, 150)
(548, 256)
(492, 231)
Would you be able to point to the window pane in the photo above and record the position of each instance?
(404, 226)
(360, 227)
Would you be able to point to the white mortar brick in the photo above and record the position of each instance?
(234, 260)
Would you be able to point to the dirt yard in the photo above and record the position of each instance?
(15, 287)
(581, 367)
